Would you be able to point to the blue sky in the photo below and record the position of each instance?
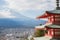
(29, 8)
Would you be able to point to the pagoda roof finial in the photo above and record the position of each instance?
(57, 4)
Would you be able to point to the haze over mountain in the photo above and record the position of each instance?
(23, 21)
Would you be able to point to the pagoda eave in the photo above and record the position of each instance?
(44, 16)
(51, 13)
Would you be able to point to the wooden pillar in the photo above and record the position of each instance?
(54, 18)
(54, 32)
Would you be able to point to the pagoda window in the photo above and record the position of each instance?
(57, 33)
(57, 30)
(57, 16)
(51, 19)
(57, 19)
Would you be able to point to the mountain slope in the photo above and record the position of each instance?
(12, 23)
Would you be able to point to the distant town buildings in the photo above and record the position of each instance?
(16, 33)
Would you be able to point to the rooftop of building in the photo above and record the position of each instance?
(53, 26)
(48, 25)
(55, 11)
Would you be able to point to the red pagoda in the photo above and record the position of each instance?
(53, 27)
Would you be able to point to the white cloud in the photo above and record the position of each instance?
(6, 14)
(29, 4)
(24, 5)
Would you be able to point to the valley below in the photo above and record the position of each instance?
(16, 33)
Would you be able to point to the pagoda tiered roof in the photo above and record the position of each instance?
(44, 16)
(53, 26)
(54, 11)
(49, 13)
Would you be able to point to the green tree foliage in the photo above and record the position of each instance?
(39, 33)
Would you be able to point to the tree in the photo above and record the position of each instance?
(39, 33)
